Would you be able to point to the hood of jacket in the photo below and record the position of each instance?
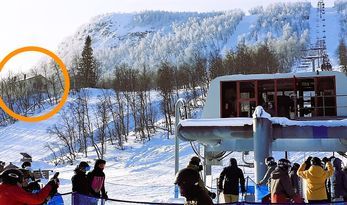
(98, 162)
(278, 173)
(79, 172)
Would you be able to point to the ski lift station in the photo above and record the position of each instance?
(270, 112)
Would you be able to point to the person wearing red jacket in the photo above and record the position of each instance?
(12, 193)
(282, 190)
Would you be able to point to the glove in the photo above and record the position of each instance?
(212, 195)
(54, 183)
(104, 196)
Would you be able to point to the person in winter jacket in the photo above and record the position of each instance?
(11, 192)
(315, 178)
(339, 180)
(80, 187)
(294, 178)
(232, 177)
(29, 182)
(271, 165)
(282, 190)
(328, 181)
(96, 180)
(188, 183)
(194, 164)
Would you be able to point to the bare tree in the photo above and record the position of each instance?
(66, 134)
(165, 87)
(102, 120)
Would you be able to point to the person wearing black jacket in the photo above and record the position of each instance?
(233, 176)
(80, 187)
(194, 164)
(188, 181)
(294, 178)
(339, 181)
(96, 180)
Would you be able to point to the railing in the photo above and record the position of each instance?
(78, 199)
(315, 105)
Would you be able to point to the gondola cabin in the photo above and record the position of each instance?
(318, 95)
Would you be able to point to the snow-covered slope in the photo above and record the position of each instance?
(151, 37)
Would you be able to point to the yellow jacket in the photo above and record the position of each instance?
(315, 178)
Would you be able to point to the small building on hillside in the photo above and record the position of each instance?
(25, 85)
(34, 84)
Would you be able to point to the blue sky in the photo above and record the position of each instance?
(46, 23)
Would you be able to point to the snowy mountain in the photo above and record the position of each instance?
(151, 37)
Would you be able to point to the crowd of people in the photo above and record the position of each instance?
(314, 181)
(315, 176)
(18, 186)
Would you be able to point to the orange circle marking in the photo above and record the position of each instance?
(66, 83)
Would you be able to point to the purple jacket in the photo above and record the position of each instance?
(339, 180)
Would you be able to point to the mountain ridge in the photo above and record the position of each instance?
(151, 37)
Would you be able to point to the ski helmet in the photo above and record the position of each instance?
(187, 177)
(283, 163)
(268, 160)
(12, 176)
(316, 161)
